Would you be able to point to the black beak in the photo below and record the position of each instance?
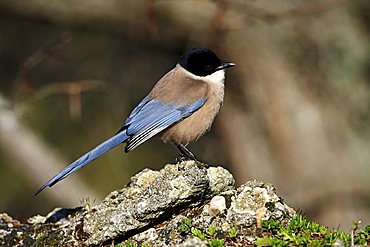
(225, 65)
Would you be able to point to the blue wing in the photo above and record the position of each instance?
(151, 117)
(147, 119)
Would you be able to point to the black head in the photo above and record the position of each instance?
(202, 62)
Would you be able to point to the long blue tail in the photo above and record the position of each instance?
(86, 158)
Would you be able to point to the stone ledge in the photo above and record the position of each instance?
(156, 208)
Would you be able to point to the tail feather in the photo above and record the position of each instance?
(85, 159)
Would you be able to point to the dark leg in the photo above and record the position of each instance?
(185, 153)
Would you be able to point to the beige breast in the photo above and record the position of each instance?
(190, 88)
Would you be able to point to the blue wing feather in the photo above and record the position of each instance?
(147, 119)
(154, 117)
(136, 110)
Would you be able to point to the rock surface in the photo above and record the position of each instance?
(176, 206)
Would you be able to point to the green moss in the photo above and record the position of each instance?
(200, 164)
(361, 236)
(233, 232)
(145, 245)
(185, 226)
(129, 244)
(271, 225)
(211, 231)
(215, 237)
(216, 242)
(198, 233)
(302, 232)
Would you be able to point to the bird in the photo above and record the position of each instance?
(181, 107)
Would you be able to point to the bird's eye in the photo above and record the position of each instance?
(208, 67)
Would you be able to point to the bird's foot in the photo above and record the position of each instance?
(182, 158)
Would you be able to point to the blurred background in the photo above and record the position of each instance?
(296, 111)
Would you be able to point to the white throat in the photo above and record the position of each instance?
(217, 77)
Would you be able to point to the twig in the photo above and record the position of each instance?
(152, 21)
(49, 50)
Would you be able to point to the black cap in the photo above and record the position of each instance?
(202, 62)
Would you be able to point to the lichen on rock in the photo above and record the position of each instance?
(174, 206)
